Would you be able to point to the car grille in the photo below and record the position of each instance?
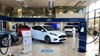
(68, 32)
(62, 36)
(62, 39)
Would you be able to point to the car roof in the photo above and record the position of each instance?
(69, 25)
(42, 25)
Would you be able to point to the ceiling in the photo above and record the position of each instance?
(44, 3)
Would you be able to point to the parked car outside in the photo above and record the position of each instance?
(4, 36)
(47, 33)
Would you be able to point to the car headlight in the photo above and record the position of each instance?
(53, 34)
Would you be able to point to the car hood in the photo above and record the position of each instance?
(6, 31)
(57, 32)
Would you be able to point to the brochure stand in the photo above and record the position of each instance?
(74, 38)
(27, 41)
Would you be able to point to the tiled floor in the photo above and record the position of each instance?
(58, 49)
(93, 47)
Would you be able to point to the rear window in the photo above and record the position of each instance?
(23, 27)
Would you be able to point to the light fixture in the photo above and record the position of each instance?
(61, 10)
(50, 12)
(51, 3)
(80, 3)
(22, 3)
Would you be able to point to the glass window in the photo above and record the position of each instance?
(23, 26)
(49, 28)
(35, 27)
(98, 4)
(91, 14)
(97, 13)
(91, 22)
(68, 27)
(92, 7)
(39, 28)
(97, 24)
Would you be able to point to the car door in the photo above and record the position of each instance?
(34, 32)
(41, 33)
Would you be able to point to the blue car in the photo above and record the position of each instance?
(4, 37)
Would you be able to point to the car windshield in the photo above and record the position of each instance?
(49, 28)
(68, 27)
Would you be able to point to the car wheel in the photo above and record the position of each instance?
(47, 39)
(4, 41)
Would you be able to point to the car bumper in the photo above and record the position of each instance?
(57, 39)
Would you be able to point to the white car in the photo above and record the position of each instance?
(47, 34)
(68, 30)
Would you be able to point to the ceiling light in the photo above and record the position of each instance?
(51, 3)
(50, 12)
(22, 3)
(80, 3)
(61, 13)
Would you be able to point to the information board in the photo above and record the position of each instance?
(27, 41)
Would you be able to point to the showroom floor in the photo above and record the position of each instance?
(55, 49)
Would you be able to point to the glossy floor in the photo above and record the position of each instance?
(57, 49)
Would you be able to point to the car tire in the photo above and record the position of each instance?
(4, 41)
(47, 39)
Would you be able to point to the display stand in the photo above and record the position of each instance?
(27, 41)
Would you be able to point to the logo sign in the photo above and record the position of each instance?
(49, 19)
(46, 50)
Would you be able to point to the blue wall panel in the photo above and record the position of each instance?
(48, 19)
(82, 37)
(5, 18)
